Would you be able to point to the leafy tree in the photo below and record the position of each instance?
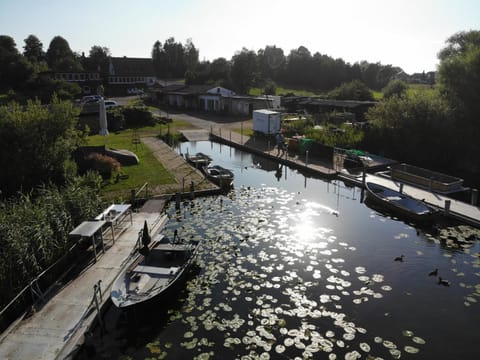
(244, 70)
(15, 70)
(270, 88)
(98, 58)
(159, 59)
(459, 80)
(271, 62)
(394, 87)
(36, 143)
(220, 69)
(414, 129)
(60, 57)
(33, 49)
(191, 55)
(354, 90)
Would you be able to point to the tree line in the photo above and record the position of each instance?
(19, 71)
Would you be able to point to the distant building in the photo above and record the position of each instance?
(124, 74)
(215, 99)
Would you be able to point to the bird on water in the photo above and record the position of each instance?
(399, 258)
(433, 273)
(443, 282)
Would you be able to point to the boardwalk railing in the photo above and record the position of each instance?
(38, 289)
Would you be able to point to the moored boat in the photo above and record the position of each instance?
(219, 175)
(155, 268)
(199, 160)
(398, 203)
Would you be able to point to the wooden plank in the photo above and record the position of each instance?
(156, 270)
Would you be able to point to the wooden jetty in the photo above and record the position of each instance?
(56, 330)
(452, 208)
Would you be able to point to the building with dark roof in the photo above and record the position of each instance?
(124, 74)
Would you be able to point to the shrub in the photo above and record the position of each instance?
(138, 117)
(105, 165)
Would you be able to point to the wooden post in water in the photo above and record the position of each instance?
(192, 190)
(177, 201)
(401, 188)
(306, 158)
(241, 133)
(364, 177)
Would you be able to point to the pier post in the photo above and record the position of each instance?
(306, 158)
(447, 206)
(401, 188)
(364, 177)
(177, 201)
(230, 135)
(241, 133)
(474, 198)
(192, 190)
(96, 289)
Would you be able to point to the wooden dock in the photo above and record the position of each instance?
(196, 135)
(458, 210)
(57, 329)
(455, 209)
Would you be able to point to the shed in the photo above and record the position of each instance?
(266, 121)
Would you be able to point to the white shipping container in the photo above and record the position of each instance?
(266, 121)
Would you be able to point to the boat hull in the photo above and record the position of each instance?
(219, 176)
(398, 204)
(152, 282)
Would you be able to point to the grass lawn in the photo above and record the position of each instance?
(148, 170)
(415, 89)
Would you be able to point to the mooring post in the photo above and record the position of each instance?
(401, 188)
(306, 158)
(177, 201)
(96, 289)
(447, 206)
(241, 133)
(230, 135)
(192, 190)
(364, 177)
(474, 198)
(183, 185)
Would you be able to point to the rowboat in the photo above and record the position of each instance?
(199, 160)
(398, 203)
(154, 271)
(219, 175)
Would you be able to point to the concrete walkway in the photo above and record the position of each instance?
(54, 331)
(184, 173)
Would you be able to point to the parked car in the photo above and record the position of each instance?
(91, 98)
(109, 104)
(134, 91)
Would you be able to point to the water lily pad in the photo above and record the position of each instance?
(418, 340)
(411, 349)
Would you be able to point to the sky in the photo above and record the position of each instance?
(404, 33)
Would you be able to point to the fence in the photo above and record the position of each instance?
(38, 289)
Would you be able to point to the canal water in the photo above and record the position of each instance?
(294, 267)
